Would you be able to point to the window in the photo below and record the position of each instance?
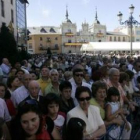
(52, 30)
(115, 38)
(56, 38)
(43, 30)
(69, 41)
(69, 30)
(48, 39)
(41, 38)
(30, 45)
(12, 2)
(123, 38)
(110, 38)
(119, 39)
(12, 16)
(138, 32)
(2, 9)
(56, 46)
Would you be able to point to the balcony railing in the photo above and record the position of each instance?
(75, 43)
(69, 34)
(45, 48)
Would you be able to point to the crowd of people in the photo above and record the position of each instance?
(69, 96)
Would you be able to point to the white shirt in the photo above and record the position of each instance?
(74, 86)
(19, 95)
(4, 113)
(5, 68)
(134, 82)
(93, 121)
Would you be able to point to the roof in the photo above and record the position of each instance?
(44, 30)
(116, 33)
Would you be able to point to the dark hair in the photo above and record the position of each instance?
(49, 99)
(77, 70)
(112, 91)
(130, 73)
(75, 129)
(123, 77)
(81, 89)
(96, 86)
(10, 80)
(24, 107)
(19, 71)
(64, 85)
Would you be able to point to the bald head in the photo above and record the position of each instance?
(34, 88)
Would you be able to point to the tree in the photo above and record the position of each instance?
(8, 46)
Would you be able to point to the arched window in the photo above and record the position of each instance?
(124, 39)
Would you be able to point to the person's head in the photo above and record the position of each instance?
(83, 95)
(20, 74)
(113, 94)
(28, 121)
(34, 76)
(68, 75)
(34, 88)
(114, 75)
(66, 88)
(137, 66)
(103, 72)
(78, 76)
(60, 71)
(26, 79)
(44, 72)
(13, 71)
(124, 77)
(13, 82)
(99, 90)
(75, 129)
(54, 75)
(130, 73)
(51, 103)
(24, 63)
(123, 67)
(87, 76)
(17, 65)
(5, 61)
(2, 90)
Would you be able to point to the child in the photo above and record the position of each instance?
(52, 104)
(113, 110)
(75, 129)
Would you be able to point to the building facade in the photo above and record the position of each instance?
(72, 40)
(8, 15)
(42, 38)
(13, 15)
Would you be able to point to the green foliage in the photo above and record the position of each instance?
(8, 46)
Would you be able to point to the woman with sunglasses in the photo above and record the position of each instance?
(28, 123)
(90, 114)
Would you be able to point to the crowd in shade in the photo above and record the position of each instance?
(69, 97)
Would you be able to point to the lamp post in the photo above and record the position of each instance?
(130, 22)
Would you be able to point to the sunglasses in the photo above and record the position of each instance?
(83, 99)
(79, 75)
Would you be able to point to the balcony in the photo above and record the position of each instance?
(99, 35)
(75, 43)
(69, 34)
(45, 48)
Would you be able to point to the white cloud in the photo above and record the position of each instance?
(85, 2)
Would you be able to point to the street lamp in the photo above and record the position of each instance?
(130, 22)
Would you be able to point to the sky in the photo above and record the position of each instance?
(52, 12)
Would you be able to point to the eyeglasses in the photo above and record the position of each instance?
(81, 75)
(83, 99)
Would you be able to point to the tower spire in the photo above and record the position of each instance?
(96, 17)
(67, 15)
